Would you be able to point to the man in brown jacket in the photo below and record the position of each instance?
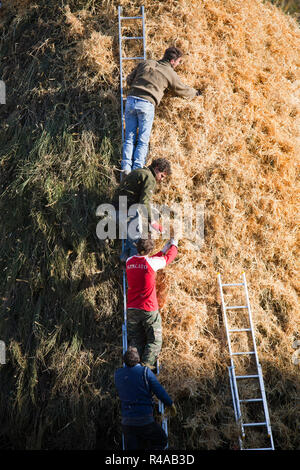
(148, 82)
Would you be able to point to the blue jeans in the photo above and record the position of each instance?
(134, 233)
(139, 116)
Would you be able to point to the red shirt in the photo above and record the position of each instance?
(140, 272)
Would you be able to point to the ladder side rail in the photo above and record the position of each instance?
(121, 71)
(124, 329)
(259, 368)
(237, 398)
(250, 318)
(233, 383)
(234, 397)
(236, 403)
(164, 422)
(144, 31)
(225, 319)
(265, 404)
(124, 326)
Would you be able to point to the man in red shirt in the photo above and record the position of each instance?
(144, 328)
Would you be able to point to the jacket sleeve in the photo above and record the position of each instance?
(180, 88)
(132, 76)
(161, 259)
(146, 195)
(171, 254)
(158, 389)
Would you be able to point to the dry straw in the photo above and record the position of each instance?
(236, 150)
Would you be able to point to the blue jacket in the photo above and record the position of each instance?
(135, 386)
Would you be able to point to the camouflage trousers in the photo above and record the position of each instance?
(144, 331)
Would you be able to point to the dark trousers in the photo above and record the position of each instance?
(151, 436)
(145, 333)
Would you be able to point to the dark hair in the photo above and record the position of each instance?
(145, 246)
(162, 165)
(172, 53)
(131, 357)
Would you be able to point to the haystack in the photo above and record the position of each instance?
(235, 149)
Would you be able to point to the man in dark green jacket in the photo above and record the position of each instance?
(148, 82)
(138, 188)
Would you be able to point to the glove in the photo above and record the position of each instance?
(199, 93)
(174, 241)
(156, 226)
(168, 245)
(171, 411)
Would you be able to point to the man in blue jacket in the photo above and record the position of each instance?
(135, 385)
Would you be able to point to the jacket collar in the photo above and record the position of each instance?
(165, 62)
(152, 170)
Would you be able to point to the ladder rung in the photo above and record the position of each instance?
(239, 329)
(250, 400)
(131, 37)
(233, 284)
(131, 17)
(246, 376)
(242, 353)
(261, 448)
(255, 424)
(132, 58)
(237, 306)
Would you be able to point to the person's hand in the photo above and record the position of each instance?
(171, 411)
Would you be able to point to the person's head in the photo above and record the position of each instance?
(131, 357)
(173, 55)
(162, 168)
(145, 246)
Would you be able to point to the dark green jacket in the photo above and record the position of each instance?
(139, 186)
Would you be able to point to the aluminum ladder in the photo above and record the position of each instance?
(256, 375)
(142, 57)
(122, 39)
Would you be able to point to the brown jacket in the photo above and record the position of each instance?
(150, 79)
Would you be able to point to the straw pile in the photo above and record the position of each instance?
(235, 149)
